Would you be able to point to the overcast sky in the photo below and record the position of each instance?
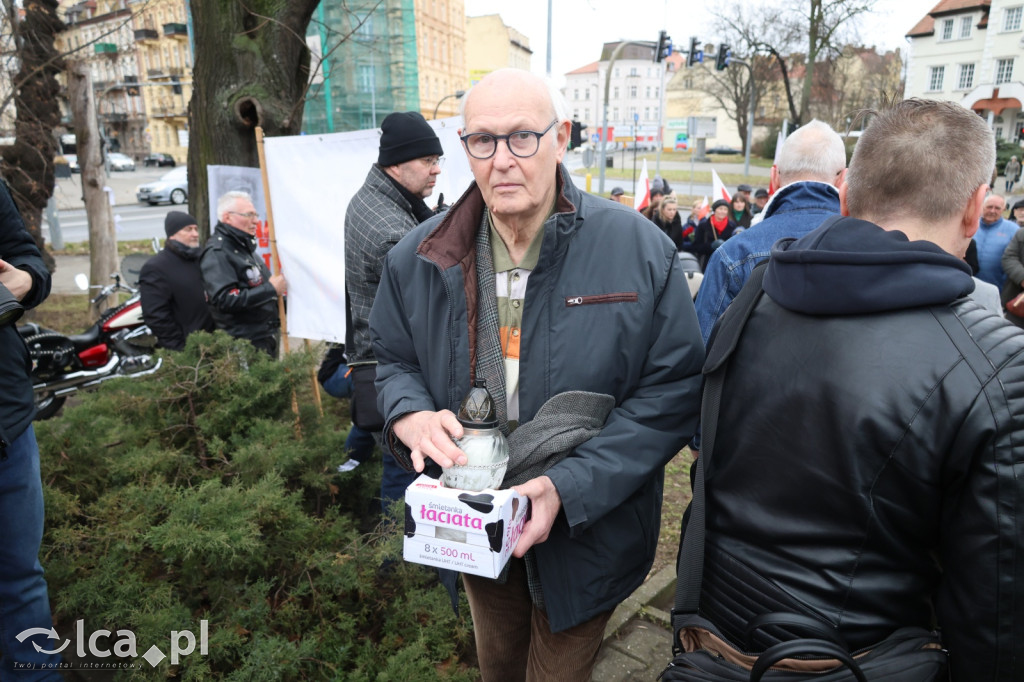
(580, 27)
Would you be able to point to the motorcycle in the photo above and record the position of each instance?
(118, 344)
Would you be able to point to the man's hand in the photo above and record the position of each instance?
(545, 503)
(18, 282)
(279, 283)
(429, 434)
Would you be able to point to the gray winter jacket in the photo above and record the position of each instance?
(607, 310)
(377, 217)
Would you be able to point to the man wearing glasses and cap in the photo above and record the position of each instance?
(577, 315)
(241, 292)
(382, 211)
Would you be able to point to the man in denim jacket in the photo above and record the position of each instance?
(811, 167)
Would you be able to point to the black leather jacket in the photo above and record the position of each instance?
(242, 300)
(869, 468)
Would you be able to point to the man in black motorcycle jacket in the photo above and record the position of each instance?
(24, 603)
(869, 466)
(239, 287)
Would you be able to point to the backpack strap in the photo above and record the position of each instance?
(690, 563)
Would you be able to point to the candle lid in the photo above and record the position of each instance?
(477, 409)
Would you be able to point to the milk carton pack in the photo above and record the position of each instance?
(470, 532)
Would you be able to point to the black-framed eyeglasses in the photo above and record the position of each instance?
(522, 143)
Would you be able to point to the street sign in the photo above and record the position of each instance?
(594, 138)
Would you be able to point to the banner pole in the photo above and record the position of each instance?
(275, 263)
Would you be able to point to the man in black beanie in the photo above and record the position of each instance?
(387, 206)
(173, 300)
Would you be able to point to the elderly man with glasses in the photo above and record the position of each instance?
(382, 211)
(560, 299)
(241, 292)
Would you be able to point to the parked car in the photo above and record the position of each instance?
(159, 159)
(722, 149)
(72, 160)
(120, 162)
(172, 187)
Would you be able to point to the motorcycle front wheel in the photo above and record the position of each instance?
(48, 405)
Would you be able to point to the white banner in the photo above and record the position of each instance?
(312, 178)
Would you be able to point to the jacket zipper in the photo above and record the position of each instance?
(626, 297)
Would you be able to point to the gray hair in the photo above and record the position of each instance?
(812, 152)
(228, 199)
(920, 158)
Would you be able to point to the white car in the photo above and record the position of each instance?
(120, 162)
(172, 186)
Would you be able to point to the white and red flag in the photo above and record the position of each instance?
(718, 190)
(642, 191)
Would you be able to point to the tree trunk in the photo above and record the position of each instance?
(251, 69)
(814, 30)
(102, 240)
(28, 164)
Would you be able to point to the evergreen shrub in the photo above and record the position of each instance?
(196, 493)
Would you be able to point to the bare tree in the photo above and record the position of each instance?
(815, 29)
(28, 163)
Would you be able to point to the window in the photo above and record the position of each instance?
(648, 91)
(586, 94)
(935, 76)
(1011, 18)
(365, 78)
(632, 71)
(615, 92)
(966, 78)
(965, 27)
(1004, 70)
(947, 29)
(576, 93)
(647, 113)
(632, 90)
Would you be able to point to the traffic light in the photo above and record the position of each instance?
(722, 60)
(664, 48)
(695, 54)
(576, 135)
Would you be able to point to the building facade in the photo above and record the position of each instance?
(634, 93)
(970, 51)
(100, 33)
(491, 45)
(363, 64)
(441, 58)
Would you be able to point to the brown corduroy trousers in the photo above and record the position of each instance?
(514, 641)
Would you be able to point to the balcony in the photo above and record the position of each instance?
(116, 117)
(168, 112)
(157, 73)
(105, 48)
(143, 34)
(176, 30)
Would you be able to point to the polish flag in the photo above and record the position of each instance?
(775, 163)
(703, 211)
(718, 190)
(642, 191)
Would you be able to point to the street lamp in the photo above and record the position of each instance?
(457, 95)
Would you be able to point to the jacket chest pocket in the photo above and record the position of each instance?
(594, 299)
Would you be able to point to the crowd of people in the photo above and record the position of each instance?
(866, 470)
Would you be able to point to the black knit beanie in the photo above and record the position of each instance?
(406, 135)
(176, 221)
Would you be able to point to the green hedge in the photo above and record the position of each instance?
(195, 493)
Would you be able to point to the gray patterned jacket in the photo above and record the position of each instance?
(377, 217)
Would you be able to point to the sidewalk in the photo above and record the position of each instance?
(638, 639)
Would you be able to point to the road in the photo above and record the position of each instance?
(131, 222)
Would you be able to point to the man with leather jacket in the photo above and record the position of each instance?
(171, 286)
(867, 470)
(239, 287)
(24, 603)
